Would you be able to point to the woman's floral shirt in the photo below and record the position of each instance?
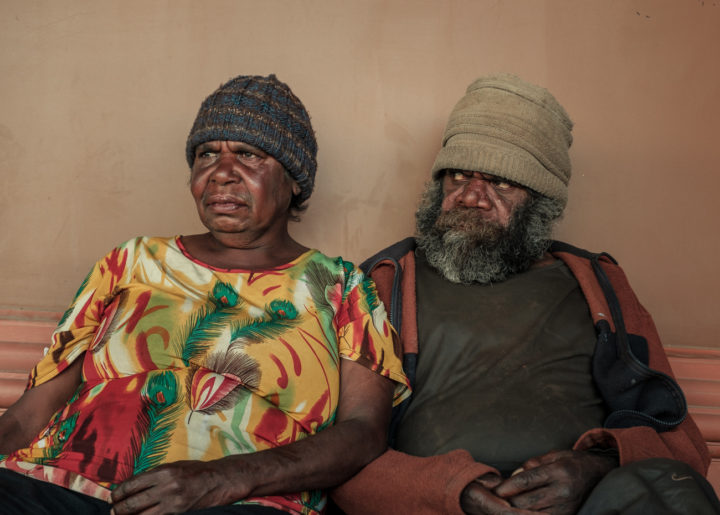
(184, 361)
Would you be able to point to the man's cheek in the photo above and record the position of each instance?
(450, 200)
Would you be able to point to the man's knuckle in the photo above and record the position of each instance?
(524, 480)
(564, 491)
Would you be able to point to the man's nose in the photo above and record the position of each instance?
(475, 193)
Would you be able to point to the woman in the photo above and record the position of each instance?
(205, 370)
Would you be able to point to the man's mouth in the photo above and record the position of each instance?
(467, 220)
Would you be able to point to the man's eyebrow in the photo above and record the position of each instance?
(497, 178)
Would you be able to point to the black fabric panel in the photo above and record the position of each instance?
(635, 394)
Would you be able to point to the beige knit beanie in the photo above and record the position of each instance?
(507, 127)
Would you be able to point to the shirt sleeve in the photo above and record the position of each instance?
(365, 334)
(82, 322)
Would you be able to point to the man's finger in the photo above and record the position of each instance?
(476, 499)
(545, 459)
(521, 482)
(489, 480)
(535, 500)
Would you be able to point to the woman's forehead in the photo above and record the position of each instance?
(232, 145)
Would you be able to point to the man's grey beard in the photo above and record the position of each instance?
(464, 248)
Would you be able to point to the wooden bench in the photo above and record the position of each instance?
(697, 370)
(24, 335)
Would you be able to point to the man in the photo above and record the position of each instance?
(536, 372)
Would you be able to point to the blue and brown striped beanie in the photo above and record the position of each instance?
(263, 112)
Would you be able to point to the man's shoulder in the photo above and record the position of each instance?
(394, 252)
(558, 248)
(561, 246)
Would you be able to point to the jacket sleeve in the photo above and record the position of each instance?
(684, 442)
(397, 482)
(403, 484)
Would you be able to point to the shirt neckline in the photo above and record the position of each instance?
(284, 266)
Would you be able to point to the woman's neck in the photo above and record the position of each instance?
(232, 253)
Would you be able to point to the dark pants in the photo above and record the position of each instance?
(657, 486)
(20, 495)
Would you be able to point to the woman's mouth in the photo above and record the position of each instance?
(225, 203)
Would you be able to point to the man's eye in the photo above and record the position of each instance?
(459, 175)
(502, 185)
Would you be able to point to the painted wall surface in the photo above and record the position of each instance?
(97, 97)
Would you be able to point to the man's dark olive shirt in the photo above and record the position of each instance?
(504, 369)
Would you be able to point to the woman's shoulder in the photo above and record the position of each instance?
(341, 269)
(149, 242)
(153, 247)
(333, 262)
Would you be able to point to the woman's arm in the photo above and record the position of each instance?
(32, 411)
(319, 461)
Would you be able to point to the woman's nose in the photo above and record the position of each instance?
(225, 172)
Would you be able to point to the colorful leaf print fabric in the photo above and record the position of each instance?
(183, 361)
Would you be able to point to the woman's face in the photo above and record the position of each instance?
(239, 188)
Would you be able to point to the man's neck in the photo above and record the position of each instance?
(545, 260)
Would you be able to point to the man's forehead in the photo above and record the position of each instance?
(480, 173)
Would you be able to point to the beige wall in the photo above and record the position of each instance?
(96, 99)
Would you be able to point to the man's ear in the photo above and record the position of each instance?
(296, 188)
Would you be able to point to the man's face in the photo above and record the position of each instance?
(491, 198)
(475, 227)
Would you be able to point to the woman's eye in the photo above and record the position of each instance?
(247, 155)
(205, 155)
(204, 152)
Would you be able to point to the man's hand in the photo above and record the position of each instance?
(556, 482)
(174, 488)
(478, 498)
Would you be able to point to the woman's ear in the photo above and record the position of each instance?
(296, 188)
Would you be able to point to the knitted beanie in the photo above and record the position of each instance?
(263, 112)
(507, 127)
